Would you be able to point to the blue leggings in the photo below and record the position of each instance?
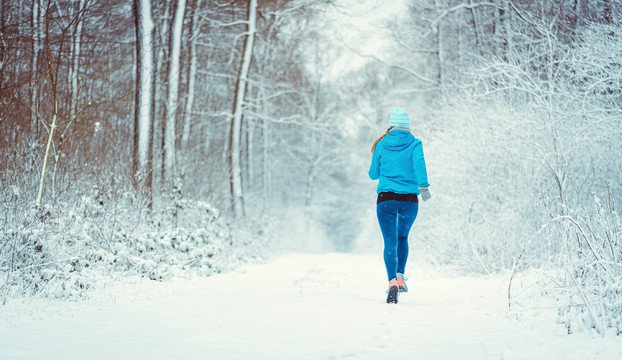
(396, 218)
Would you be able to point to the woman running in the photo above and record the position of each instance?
(397, 160)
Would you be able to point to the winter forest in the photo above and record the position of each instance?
(161, 138)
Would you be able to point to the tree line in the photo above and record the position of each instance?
(159, 96)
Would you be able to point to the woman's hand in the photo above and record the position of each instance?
(425, 193)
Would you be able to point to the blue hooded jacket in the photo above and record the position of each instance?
(399, 164)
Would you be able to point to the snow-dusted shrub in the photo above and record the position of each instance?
(60, 251)
(199, 238)
(593, 267)
(36, 255)
(586, 278)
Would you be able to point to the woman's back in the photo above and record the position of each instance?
(398, 162)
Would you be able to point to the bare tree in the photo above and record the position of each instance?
(34, 63)
(74, 68)
(142, 153)
(192, 73)
(53, 77)
(236, 125)
(168, 128)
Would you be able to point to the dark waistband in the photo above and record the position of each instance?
(384, 196)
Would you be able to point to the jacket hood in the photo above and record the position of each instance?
(397, 140)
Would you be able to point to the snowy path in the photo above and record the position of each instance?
(327, 306)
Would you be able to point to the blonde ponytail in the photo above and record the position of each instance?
(373, 146)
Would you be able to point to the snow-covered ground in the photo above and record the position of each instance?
(321, 306)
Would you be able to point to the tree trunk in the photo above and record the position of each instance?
(3, 11)
(152, 117)
(265, 134)
(478, 40)
(75, 64)
(504, 14)
(168, 150)
(53, 125)
(34, 65)
(143, 111)
(191, 75)
(441, 55)
(159, 79)
(250, 150)
(236, 176)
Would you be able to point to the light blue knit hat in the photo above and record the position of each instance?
(399, 117)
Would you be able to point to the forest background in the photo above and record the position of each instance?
(158, 136)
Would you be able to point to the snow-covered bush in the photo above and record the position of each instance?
(593, 268)
(61, 251)
(524, 145)
(585, 278)
(36, 255)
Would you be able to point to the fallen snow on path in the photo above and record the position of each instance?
(328, 306)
